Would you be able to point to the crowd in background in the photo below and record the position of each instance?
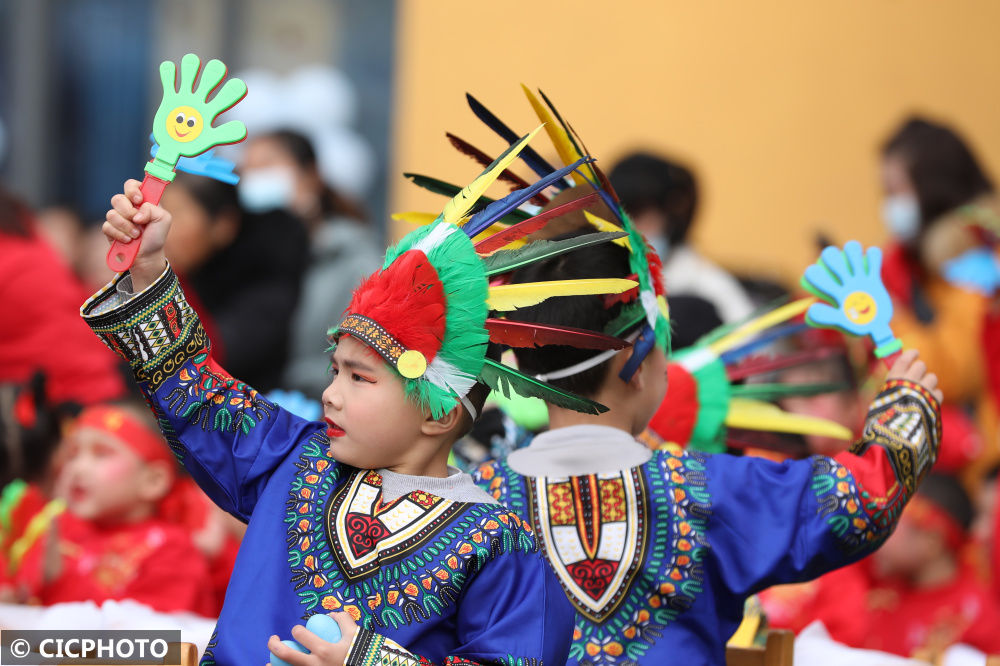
(95, 507)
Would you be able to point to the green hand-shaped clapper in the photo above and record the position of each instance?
(183, 123)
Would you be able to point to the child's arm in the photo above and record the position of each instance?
(512, 612)
(227, 435)
(778, 523)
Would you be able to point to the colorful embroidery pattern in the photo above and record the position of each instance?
(904, 421)
(374, 336)
(405, 560)
(155, 334)
(371, 649)
(651, 521)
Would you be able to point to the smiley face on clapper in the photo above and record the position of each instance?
(856, 301)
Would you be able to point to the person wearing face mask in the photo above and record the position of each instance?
(280, 171)
(661, 197)
(940, 267)
(238, 263)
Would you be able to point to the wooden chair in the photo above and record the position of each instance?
(777, 652)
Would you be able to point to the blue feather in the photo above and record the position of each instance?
(494, 211)
(534, 161)
(763, 340)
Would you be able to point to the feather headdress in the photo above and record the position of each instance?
(427, 311)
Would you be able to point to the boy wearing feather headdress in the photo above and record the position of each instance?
(659, 549)
(360, 514)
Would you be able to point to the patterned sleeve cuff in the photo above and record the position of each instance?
(155, 331)
(371, 649)
(905, 420)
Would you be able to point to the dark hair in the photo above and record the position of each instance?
(15, 217)
(606, 260)
(301, 150)
(942, 167)
(645, 182)
(947, 493)
(29, 430)
(213, 195)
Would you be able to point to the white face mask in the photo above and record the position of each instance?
(261, 190)
(901, 214)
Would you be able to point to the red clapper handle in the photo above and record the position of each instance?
(891, 358)
(121, 255)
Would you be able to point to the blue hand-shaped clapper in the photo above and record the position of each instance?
(323, 626)
(857, 303)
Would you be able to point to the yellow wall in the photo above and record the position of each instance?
(779, 105)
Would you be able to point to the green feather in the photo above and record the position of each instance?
(630, 315)
(503, 261)
(501, 378)
(447, 189)
(776, 391)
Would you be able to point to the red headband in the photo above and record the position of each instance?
(145, 442)
(929, 516)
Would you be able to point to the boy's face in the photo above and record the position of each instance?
(370, 421)
(103, 479)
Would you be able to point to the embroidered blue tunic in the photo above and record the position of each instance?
(429, 579)
(659, 550)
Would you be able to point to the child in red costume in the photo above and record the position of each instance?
(112, 541)
(916, 594)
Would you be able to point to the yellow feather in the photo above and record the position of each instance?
(766, 320)
(757, 415)
(413, 217)
(466, 199)
(567, 151)
(508, 297)
(601, 224)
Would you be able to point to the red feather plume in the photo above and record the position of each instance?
(407, 299)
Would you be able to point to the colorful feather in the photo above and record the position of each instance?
(415, 218)
(531, 225)
(772, 391)
(759, 365)
(603, 225)
(508, 260)
(528, 334)
(462, 202)
(564, 145)
(501, 378)
(438, 186)
(507, 176)
(754, 326)
(534, 161)
(508, 297)
(756, 415)
(763, 340)
(498, 209)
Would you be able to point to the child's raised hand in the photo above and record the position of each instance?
(321, 652)
(909, 366)
(128, 213)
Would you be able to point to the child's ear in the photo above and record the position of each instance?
(437, 427)
(156, 479)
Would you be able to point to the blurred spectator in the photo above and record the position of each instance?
(917, 593)
(41, 326)
(846, 407)
(62, 227)
(662, 199)
(936, 196)
(280, 172)
(113, 541)
(243, 268)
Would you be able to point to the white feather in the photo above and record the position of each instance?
(435, 237)
(446, 376)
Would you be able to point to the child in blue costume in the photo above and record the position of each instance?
(360, 515)
(659, 549)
